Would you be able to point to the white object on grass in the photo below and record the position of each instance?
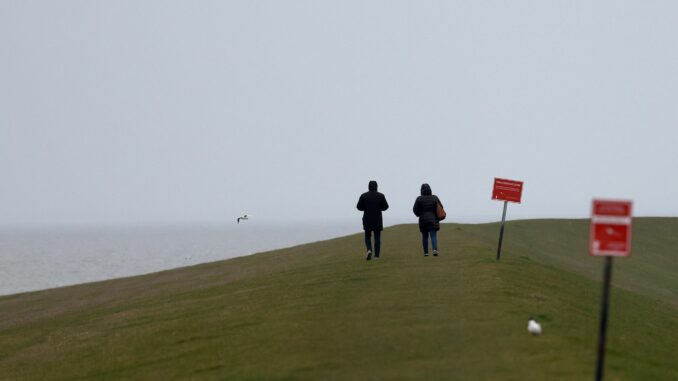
(533, 327)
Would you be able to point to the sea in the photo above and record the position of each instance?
(41, 258)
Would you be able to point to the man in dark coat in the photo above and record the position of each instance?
(425, 209)
(372, 203)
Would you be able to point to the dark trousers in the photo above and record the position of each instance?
(377, 241)
(434, 240)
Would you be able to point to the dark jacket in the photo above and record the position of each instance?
(425, 209)
(372, 203)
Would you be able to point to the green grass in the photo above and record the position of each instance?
(321, 312)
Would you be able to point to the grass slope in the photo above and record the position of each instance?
(320, 311)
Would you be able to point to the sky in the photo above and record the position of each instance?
(136, 112)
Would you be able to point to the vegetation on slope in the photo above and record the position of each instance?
(320, 311)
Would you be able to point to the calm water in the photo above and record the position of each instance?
(39, 259)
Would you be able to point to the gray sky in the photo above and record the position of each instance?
(168, 111)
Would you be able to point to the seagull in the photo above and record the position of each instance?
(533, 327)
(244, 217)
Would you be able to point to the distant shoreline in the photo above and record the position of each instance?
(39, 258)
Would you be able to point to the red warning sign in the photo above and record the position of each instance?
(611, 228)
(507, 190)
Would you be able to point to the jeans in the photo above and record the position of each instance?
(434, 240)
(377, 241)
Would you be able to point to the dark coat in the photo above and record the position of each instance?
(425, 209)
(372, 203)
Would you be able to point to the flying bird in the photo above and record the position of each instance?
(533, 327)
(244, 217)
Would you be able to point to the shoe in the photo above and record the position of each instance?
(435, 253)
(426, 254)
(369, 255)
(376, 257)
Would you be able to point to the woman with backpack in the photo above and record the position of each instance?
(430, 211)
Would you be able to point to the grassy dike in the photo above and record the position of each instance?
(321, 312)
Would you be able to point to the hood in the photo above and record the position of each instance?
(426, 190)
(372, 186)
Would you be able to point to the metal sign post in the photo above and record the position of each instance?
(610, 237)
(501, 231)
(506, 190)
(602, 330)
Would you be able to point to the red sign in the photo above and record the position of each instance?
(611, 228)
(507, 190)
